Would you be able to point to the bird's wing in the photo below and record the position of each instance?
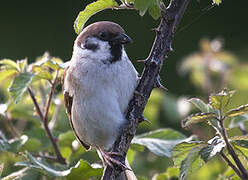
(68, 105)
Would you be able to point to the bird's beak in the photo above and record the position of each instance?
(121, 39)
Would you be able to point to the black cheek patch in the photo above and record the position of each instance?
(90, 46)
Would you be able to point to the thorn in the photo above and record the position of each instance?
(141, 61)
(159, 85)
(156, 30)
(143, 118)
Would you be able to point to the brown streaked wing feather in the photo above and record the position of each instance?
(68, 105)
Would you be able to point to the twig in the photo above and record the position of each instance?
(36, 105)
(231, 164)
(44, 118)
(170, 18)
(231, 151)
(45, 122)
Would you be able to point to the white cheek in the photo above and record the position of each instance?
(102, 53)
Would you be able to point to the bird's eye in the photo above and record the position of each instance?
(102, 35)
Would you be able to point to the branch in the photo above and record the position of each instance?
(44, 118)
(232, 152)
(231, 164)
(45, 121)
(170, 18)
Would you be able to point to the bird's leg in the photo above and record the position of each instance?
(109, 160)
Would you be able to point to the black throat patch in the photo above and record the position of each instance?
(116, 52)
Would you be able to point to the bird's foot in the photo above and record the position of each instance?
(109, 160)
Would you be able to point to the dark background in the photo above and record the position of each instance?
(29, 28)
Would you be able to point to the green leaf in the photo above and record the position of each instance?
(1, 168)
(238, 111)
(42, 73)
(23, 174)
(181, 150)
(90, 10)
(191, 163)
(47, 61)
(173, 172)
(66, 139)
(84, 170)
(154, 9)
(10, 63)
(20, 85)
(7, 73)
(240, 141)
(162, 176)
(165, 133)
(160, 142)
(16, 144)
(214, 146)
(13, 145)
(22, 64)
(198, 103)
(217, 2)
(237, 120)
(221, 100)
(197, 118)
(43, 167)
(142, 6)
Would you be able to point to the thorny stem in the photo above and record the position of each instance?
(44, 118)
(231, 150)
(170, 18)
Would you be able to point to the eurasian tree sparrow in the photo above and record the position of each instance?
(98, 84)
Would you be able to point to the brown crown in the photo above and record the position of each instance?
(97, 27)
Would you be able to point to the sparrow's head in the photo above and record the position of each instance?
(102, 40)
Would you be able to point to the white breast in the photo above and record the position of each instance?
(101, 92)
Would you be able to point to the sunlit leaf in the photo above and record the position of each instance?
(203, 107)
(7, 73)
(197, 118)
(172, 172)
(191, 163)
(142, 6)
(221, 100)
(238, 111)
(20, 85)
(22, 64)
(10, 63)
(217, 2)
(154, 9)
(42, 73)
(90, 10)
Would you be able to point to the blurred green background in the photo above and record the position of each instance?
(29, 28)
